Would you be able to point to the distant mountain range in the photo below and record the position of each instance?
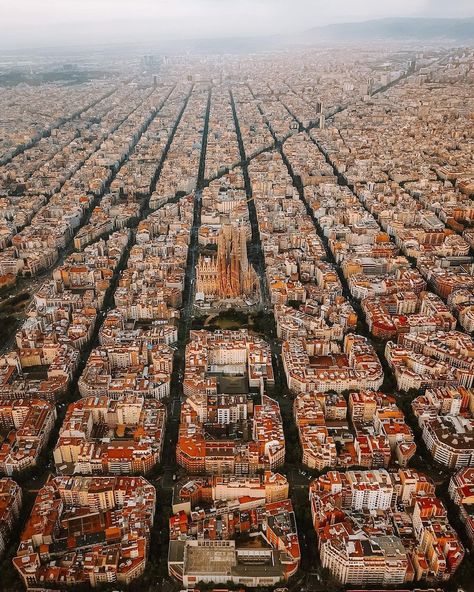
(388, 29)
(396, 29)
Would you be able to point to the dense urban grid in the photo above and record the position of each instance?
(237, 303)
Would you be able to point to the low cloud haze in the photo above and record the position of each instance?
(27, 23)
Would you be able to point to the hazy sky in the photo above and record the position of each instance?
(26, 23)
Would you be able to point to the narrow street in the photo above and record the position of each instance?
(255, 250)
(298, 482)
(169, 452)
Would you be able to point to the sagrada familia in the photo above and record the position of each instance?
(227, 275)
